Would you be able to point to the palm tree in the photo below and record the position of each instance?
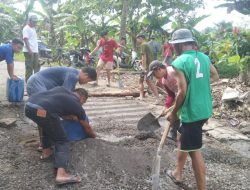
(124, 16)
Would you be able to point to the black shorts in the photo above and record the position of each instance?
(191, 135)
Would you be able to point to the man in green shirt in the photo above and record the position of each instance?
(194, 73)
(146, 58)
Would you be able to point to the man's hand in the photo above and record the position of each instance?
(14, 77)
(163, 112)
(171, 117)
(30, 52)
(87, 128)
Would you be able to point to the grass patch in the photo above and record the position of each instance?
(228, 70)
(19, 57)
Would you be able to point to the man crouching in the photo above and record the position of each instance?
(45, 109)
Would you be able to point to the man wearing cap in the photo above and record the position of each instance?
(165, 74)
(7, 53)
(106, 59)
(146, 59)
(194, 73)
(155, 46)
(30, 47)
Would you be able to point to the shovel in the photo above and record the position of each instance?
(120, 83)
(149, 122)
(157, 160)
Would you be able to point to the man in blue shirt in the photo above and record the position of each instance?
(58, 76)
(7, 53)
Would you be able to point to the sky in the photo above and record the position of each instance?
(220, 14)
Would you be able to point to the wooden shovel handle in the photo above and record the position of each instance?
(166, 131)
(164, 136)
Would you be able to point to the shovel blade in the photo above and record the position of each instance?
(148, 123)
(120, 84)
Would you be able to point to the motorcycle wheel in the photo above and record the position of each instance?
(136, 65)
(114, 65)
(65, 62)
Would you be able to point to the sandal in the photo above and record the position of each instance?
(71, 179)
(45, 157)
(39, 148)
(172, 177)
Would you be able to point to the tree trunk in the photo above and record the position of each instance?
(124, 18)
(52, 32)
(115, 94)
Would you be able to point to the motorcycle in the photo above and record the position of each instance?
(81, 58)
(44, 53)
(121, 60)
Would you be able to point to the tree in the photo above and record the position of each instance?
(124, 16)
(10, 20)
(242, 6)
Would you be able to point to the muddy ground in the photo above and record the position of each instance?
(118, 160)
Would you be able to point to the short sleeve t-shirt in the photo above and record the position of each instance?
(30, 34)
(155, 46)
(146, 50)
(107, 49)
(198, 100)
(57, 76)
(6, 53)
(59, 101)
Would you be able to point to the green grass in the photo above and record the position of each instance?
(228, 70)
(19, 57)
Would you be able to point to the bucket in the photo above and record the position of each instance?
(15, 90)
(74, 130)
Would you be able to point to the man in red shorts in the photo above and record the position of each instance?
(106, 59)
(165, 75)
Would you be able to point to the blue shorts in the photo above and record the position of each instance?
(35, 86)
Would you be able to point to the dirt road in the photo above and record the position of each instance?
(117, 160)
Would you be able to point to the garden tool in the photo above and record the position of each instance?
(157, 160)
(149, 122)
(120, 83)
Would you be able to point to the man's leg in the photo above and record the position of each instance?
(36, 64)
(109, 68)
(141, 86)
(199, 169)
(181, 160)
(108, 76)
(153, 87)
(56, 133)
(99, 67)
(28, 65)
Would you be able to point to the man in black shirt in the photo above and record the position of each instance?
(45, 109)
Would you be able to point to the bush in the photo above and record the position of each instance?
(228, 70)
(19, 57)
